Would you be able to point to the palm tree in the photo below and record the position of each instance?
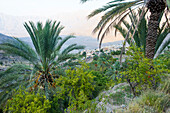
(117, 10)
(162, 46)
(45, 57)
(140, 35)
(156, 7)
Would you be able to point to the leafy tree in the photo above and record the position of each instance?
(46, 56)
(141, 72)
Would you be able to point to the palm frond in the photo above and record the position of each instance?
(71, 48)
(63, 41)
(19, 48)
(32, 35)
(164, 44)
(62, 59)
(122, 31)
(107, 30)
(109, 15)
(84, 1)
(142, 32)
(11, 78)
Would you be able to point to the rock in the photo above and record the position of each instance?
(115, 98)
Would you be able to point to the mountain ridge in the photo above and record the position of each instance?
(88, 42)
(4, 38)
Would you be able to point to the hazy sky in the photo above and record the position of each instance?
(71, 13)
(46, 7)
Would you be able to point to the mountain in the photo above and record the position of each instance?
(13, 25)
(4, 38)
(88, 42)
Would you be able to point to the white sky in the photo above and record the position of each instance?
(46, 7)
(72, 14)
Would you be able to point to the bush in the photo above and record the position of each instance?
(75, 88)
(104, 64)
(101, 82)
(27, 102)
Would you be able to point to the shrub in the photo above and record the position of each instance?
(101, 82)
(27, 102)
(75, 88)
(104, 64)
(95, 57)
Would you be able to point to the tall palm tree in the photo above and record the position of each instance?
(46, 55)
(140, 35)
(117, 10)
(156, 7)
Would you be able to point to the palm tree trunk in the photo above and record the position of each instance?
(156, 7)
(152, 35)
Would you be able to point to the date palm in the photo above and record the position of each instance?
(156, 7)
(46, 55)
(117, 10)
(139, 38)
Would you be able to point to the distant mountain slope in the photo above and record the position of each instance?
(89, 42)
(4, 38)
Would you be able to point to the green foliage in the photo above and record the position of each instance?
(27, 102)
(106, 69)
(103, 63)
(1, 63)
(76, 87)
(102, 82)
(141, 72)
(117, 52)
(165, 58)
(95, 57)
(168, 3)
(84, 54)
